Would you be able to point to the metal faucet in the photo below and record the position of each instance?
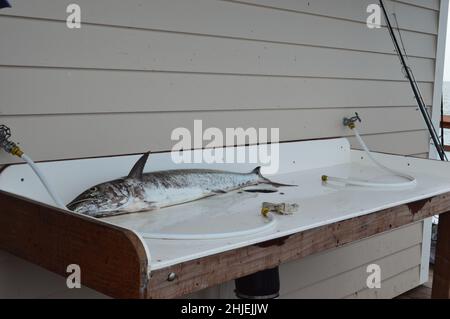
(350, 122)
(9, 146)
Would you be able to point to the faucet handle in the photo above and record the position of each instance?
(6, 144)
(5, 133)
(350, 122)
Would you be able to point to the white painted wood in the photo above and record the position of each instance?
(327, 266)
(426, 250)
(439, 72)
(102, 47)
(67, 91)
(423, 155)
(392, 287)
(355, 279)
(430, 4)
(402, 143)
(214, 18)
(96, 135)
(400, 162)
(353, 10)
(409, 17)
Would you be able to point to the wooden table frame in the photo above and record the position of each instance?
(114, 262)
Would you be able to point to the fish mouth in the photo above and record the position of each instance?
(93, 207)
(75, 202)
(87, 206)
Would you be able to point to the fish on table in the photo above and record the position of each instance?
(141, 191)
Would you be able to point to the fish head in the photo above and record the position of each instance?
(104, 199)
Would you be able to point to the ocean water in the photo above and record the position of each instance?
(446, 93)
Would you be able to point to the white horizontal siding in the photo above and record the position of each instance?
(355, 280)
(421, 17)
(421, 155)
(74, 91)
(224, 19)
(429, 4)
(403, 143)
(55, 45)
(408, 17)
(391, 287)
(153, 130)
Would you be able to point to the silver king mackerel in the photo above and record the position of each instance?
(140, 191)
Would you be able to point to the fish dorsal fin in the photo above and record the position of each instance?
(257, 171)
(138, 168)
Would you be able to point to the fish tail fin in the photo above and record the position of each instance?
(264, 180)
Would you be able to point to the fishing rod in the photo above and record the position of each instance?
(415, 88)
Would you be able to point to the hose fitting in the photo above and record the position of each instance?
(16, 151)
(9, 146)
(265, 212)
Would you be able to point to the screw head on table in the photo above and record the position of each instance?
(171, 276)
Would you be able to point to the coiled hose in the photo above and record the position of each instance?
(208, 236)
(410, 180)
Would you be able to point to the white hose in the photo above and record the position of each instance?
(207, 236)
(44, 181)
(410, 179)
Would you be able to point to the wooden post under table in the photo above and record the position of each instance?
(441, 276)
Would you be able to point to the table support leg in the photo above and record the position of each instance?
(441, 275)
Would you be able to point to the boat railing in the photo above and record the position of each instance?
(445, 124)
